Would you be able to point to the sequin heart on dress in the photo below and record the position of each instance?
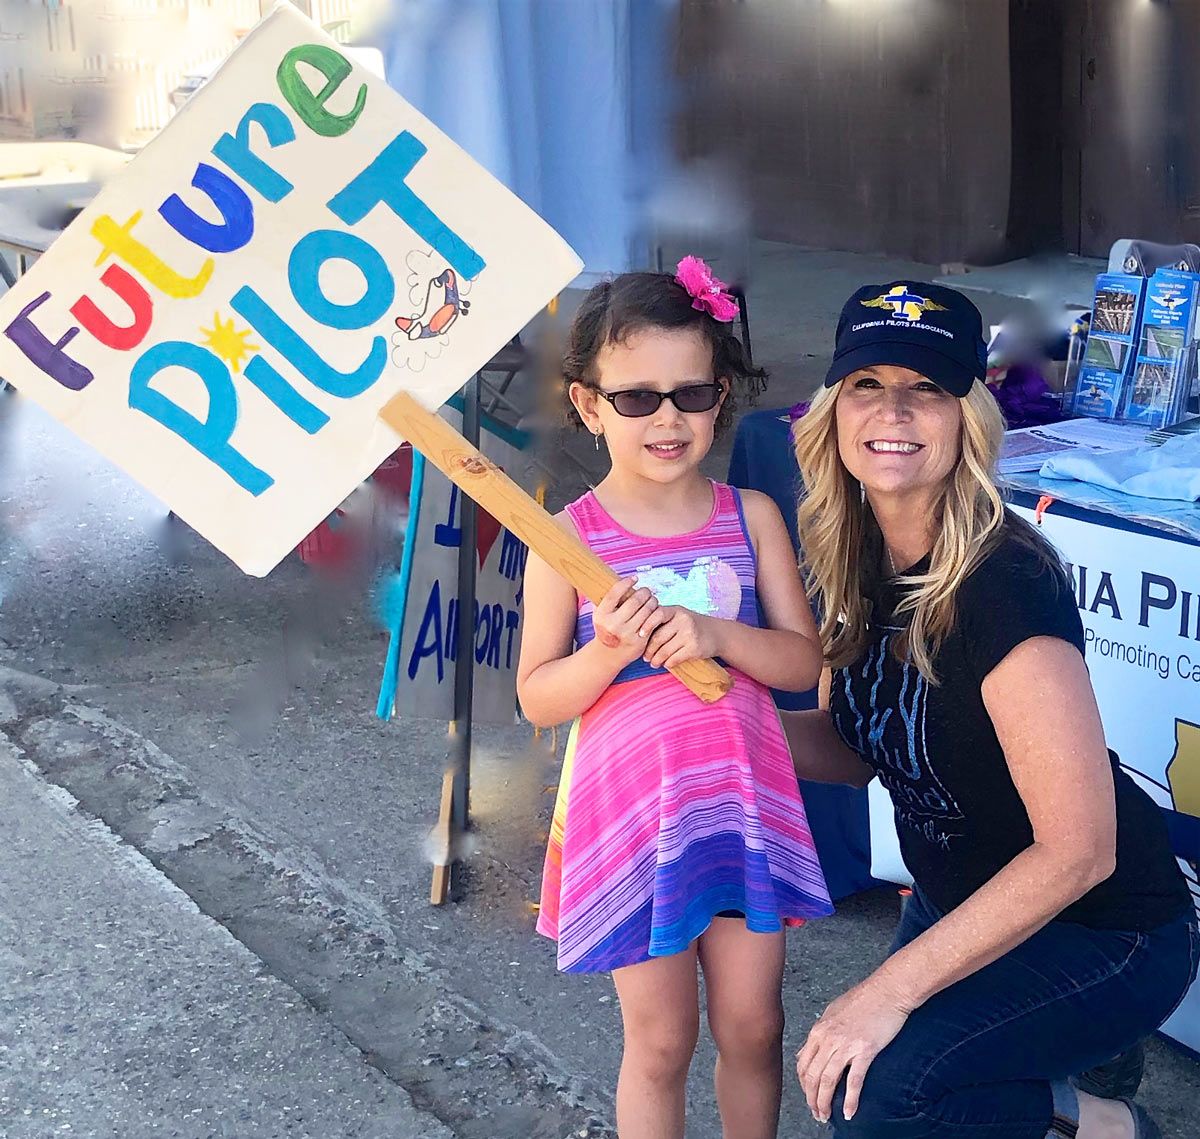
(711, 587)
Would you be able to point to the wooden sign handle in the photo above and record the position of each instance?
(475, 474)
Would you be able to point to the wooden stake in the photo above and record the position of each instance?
(475, 474)
(440, 887)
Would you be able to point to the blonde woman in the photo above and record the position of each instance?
(1049, 928)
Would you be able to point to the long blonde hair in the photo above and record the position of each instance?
(842, 545)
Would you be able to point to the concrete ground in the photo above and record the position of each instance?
(223, 729)
(127, 1011)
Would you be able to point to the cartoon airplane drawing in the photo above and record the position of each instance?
(443, 306)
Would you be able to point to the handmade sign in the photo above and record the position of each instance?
(1138, 602)
(424, 608)
(228, 316)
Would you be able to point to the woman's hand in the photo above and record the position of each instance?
(850, 1033)
(625, 618)
(682, 636)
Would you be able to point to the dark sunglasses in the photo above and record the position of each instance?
(635, 403)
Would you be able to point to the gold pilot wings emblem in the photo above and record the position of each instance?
(904, 303)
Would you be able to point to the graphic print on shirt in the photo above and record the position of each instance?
(887, 728)
(711, 587)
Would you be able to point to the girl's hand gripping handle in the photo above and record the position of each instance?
(625, 618)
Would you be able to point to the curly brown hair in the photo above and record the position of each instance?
(614, 310)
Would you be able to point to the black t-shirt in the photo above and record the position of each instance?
(958, 814)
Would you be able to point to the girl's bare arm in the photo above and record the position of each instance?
(818, 752)
(555, 684)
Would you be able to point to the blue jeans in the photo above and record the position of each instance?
(990, 1056)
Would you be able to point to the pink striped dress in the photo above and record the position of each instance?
(671, 811)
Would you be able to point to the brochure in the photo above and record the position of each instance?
(1162, 373)
(1109, 355)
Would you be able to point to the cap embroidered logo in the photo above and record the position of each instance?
(904, 303)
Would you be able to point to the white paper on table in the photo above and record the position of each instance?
(1027, 448)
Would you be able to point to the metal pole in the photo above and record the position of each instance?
(464, 661)
(744, 317)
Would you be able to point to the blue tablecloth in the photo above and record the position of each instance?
(762, 460)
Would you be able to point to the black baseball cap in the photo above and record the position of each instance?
(931, 329)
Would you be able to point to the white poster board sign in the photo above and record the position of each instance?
(1139, 599)
(428, 630)
(226, 318)
(887, 864)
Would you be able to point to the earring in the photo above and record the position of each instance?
(596, 437)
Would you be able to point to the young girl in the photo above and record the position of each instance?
(679, 836)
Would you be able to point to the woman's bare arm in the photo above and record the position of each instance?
(1060, 766)
(1061, 770)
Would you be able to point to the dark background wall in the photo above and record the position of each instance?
(951, 130)
(876, 127)
(1132, 115)
(1037, 82)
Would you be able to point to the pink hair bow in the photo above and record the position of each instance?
(707, 292)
